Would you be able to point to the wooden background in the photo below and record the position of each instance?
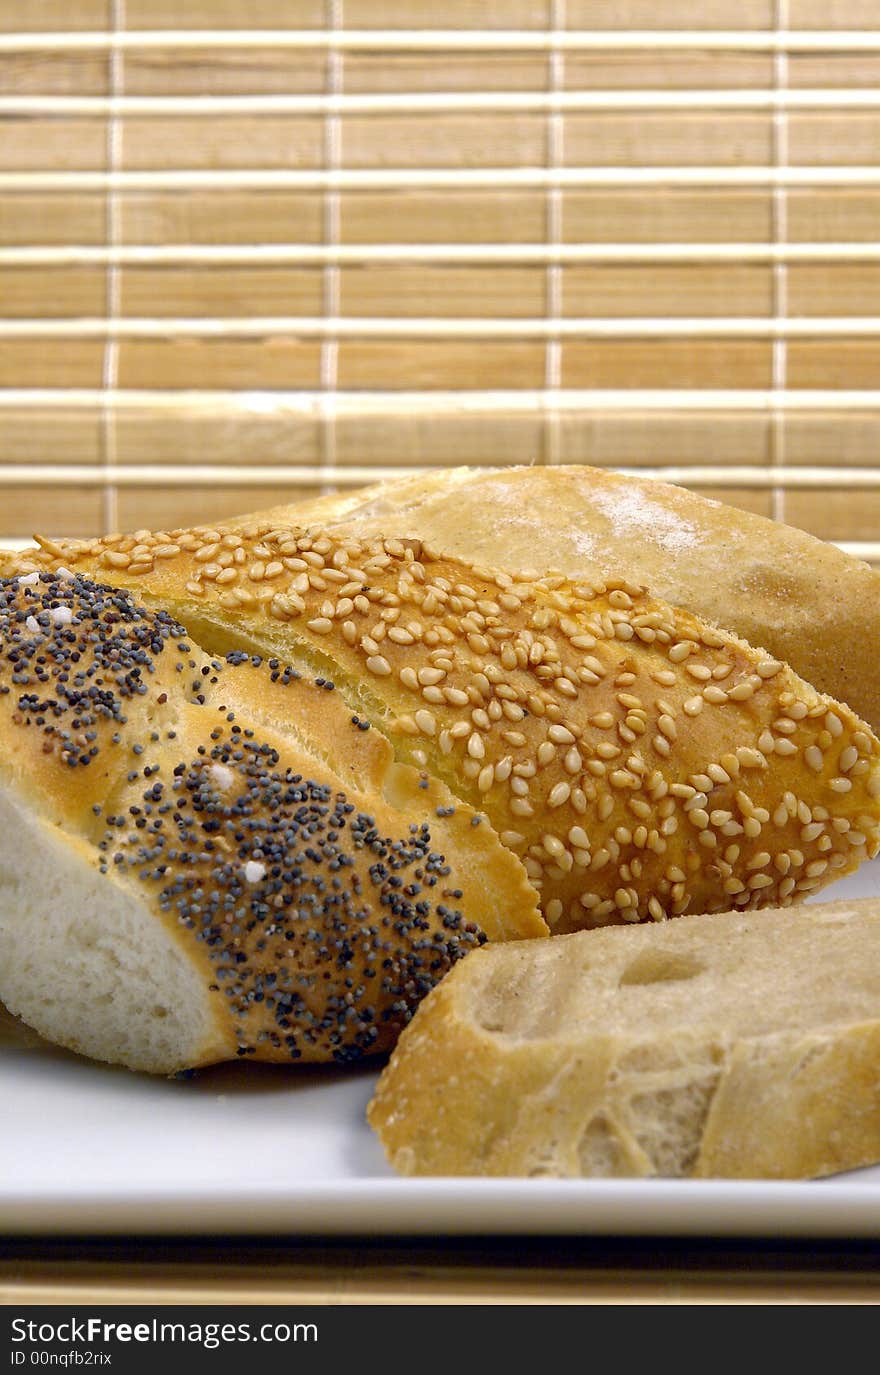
(251, 249)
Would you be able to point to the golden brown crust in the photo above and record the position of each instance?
(640, 762)
(736, 1046)
(801, 598)
(321, 887)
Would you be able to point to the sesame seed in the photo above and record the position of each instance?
(742, 691)
(684, 790)
(758, 881)
(455, 697)
(475, 747)
(559, 794)
(553, 911)
(667, 727)
(486, 778)
(848, 757)
(378, 665)
(594, 665)
(717, 774)
(758, 861)
(512, 839)
(681, 651)
(626, 699)
(560, 735)
(749, 758)
(572, 763)
(814, 758)
(428, 677)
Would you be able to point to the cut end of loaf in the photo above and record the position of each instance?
(86, 964)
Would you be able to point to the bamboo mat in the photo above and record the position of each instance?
(251, 250)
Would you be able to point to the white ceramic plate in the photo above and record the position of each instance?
(278, 1151)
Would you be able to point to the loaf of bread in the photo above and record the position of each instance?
(638, 762)
(740, 1045)
(204, 858)
(802, 599)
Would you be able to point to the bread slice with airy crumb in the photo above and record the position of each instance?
(743, 1045)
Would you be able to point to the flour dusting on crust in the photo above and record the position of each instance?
(631, 512)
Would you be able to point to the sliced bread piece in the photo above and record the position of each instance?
(739, 1045)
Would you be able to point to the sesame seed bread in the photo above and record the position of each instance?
(638, 762)
(204, 858)
(801, 598)
(740, 1045)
